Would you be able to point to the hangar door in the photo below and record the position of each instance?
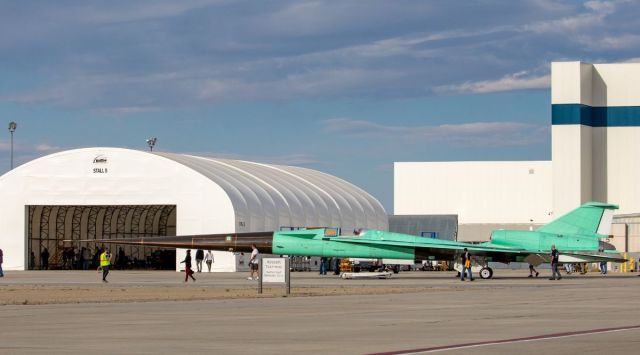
(50, 227)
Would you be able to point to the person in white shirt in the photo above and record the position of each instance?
(208, 258)
(253, 262)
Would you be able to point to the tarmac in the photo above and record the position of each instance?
(413, 312)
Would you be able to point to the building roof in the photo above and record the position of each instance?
(269, 197)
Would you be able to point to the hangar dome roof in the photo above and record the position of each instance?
(270, 197)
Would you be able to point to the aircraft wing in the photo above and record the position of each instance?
(426, 248)
(436, 249)
(569, 257)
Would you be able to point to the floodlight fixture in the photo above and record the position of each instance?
(12, 128)
(151, 142)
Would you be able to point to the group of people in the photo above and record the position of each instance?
(105, 258)
(254, 261)
(569, 267)
(200, 256)
(554, 258)
(208, 259)
(81, 260)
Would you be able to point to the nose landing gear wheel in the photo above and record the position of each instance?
(486, 273)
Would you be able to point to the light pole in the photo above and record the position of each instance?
(12, 128)
(151, 142)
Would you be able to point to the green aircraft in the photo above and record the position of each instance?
(578, 236)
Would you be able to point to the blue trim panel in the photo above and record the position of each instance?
(618, 116)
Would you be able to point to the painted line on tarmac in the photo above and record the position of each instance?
(509, 341)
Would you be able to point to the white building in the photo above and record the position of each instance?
(97, 193)
(595, 146)
(596, 134)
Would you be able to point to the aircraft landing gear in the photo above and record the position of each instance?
(486, 272)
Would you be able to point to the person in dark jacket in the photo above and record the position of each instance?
(336, 266)
(187, 267)
(323, 265)
(199, 258)
(44, 259)
(555, 257)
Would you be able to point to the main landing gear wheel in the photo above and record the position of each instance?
(486, 273)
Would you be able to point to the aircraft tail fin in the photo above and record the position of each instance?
(589, 219)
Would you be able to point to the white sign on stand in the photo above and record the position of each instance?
(275, 270)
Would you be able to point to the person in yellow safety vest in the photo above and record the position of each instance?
(466, 265)
(105, 262)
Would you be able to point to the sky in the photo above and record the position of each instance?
(344, 87)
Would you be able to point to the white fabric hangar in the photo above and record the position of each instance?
(97, 193)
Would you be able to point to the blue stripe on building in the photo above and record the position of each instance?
(619, 116)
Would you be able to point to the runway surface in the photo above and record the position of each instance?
(414, 312)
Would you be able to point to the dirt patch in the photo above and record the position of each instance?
(45, 294)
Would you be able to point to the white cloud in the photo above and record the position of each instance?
(130, 11)
(46, 148)
(597, 12)
(125, 110)
(306, 84)
(517, 81)
(121, 95)
(131, 57)
(572, 23)
(469, 134)
(408, 45)
(606, 7)
(23, 148)
(611, 42)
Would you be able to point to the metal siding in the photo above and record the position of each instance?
(445, 225)
(268, 194)
(478, 192)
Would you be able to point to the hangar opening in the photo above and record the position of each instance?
(54, 234)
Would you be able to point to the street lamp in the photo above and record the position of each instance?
(151, 142)
(12, 128)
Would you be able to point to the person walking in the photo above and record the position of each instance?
(44, 259)
(86, 258)
(122, 259)
(532, 270)
(336, 266)
(603, 267)
(1, 260)
(253, 262)
(323, 266)
(208, 258)
(105, 263)
(466, 265)
(568, 267)
(32, 260)
(187, 267)
(199, 258)
(95, 262)
(584, 268)
(555, 256)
